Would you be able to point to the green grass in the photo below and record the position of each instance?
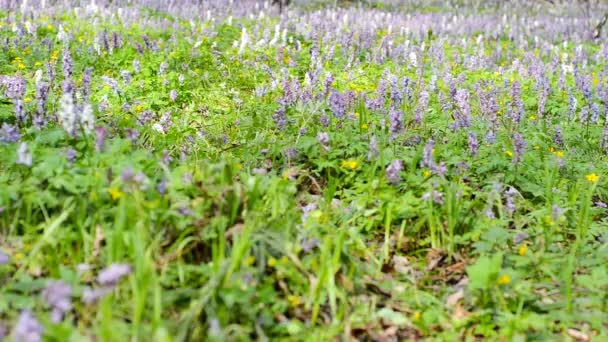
(225, 252)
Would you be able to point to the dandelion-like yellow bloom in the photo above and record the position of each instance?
(560, 154)
(349, 164)
(504, 279)
(115, 193)
(426, 173)
(509, 153)
(523, 250)
(592, 177)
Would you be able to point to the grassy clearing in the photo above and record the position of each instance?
(189, 172)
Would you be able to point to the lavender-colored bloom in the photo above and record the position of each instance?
(307, 209)
(520, 237)
(556, 212)
(19, 110)
(558, 138)
(517, 107)
(393, 172)
(126, 76)
(396, 122)
(187, 178)
(101, 133)
(604, 142)
(112, 84)
(473, 143)
(571, 106)
(111, 275)
(323, 138)
(427, 156)
(324, 120)
(57, 295)
(86, 83)
(90, 296)
(491, 137)
(4, 258)
(70, 155)
(396, 92)
(9, 133)
(162, 187)
(280, 117)
(373, 148)
(173, 95)
(291, 153)
(519, 147)
(463, 114)
(338, 104)
(510, 200)
(27, 329)
(24, 157)
(162, 69)
(184, 211)
(435, 196)
(584, 116)
(309, 244)
(166, 159)
(15, 86)
(423, 104)
(68, 65)
(595, 113)
(42, 95)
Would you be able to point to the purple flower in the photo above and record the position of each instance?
(510, 200)
(393, 172)
(396, 122)
(27, 329)
(162, 187)
(173, 95)
(473, 143)
(57, 295)
(9, 133)
(67, 64)
(558, 138)
(280, 117)
(86, 83)
(338, 104)
(427, 156)
(435, 195)
(556, 212)
(517, 105)
(90, 296)
(463, 114)
(373, 148)
(520, 237)
(307, 209)
(324, 120)
(423, 104)
(111, 275)
(19, 110)
(519, 147)
(4, 258)
(323, 138)
(24, 157)
(101, 133)
(70, 155)
(291, 153)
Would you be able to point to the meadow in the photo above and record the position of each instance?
(375, 171)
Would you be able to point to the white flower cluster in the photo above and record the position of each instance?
(73, 116)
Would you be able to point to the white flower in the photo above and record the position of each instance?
(159, 128)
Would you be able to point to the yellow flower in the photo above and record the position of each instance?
(284, 260)
(509, 153)
(115, 193)
(139, 108)
(350, 164)
(560, 154)
(27, 99)
(364, 126)
(504, 279)
(294, 300)
(250, 260)
(21, 66)
(272, 262)
(551, 149)
(522, 250)
(37, 64)
(592, 177)
(416, 316)
(532, 117)
(426, 173)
